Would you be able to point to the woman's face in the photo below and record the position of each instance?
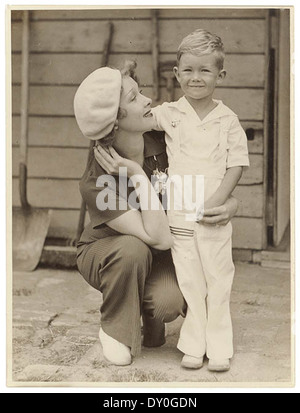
(136, 108)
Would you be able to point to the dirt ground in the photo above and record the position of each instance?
(54, 335)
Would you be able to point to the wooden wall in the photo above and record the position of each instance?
(66, 45)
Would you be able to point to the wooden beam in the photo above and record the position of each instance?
(64, 132)
(155, 54)
(84, 36)
(58, 100)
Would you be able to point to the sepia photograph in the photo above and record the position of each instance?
(137, 136)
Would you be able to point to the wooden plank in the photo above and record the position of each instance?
(244, 70)
(250, 200)
(64, 224)
(53, 162)
(46, 100)
(16, 15)
(238, 36)
(16, 36)
(58, 100)
(92, 14)
(50, 132)
(248, 104)
(49, 193)
(256, 144)
(247, 233)
(53, 193)
(253, 174)
(164, 13)
(88, 36)
(215, 13)
(65, 132)
(282, 140)
(70, 163)
(85, 36)
(55, 68)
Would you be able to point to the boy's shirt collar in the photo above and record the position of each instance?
(219, 111)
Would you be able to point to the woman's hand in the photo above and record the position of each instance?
(220, 215)
(111, 161)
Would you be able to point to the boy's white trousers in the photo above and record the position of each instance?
(205, 271)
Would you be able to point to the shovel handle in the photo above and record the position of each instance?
(23, 186)
(24, 112)
(24, 88)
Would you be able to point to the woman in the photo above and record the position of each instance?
(124, 251)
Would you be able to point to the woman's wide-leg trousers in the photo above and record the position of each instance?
(133, 282)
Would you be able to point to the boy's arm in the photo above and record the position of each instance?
(221, 215)
(229, 182)
(157, 113)
(237, 160)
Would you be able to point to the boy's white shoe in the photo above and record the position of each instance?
(218, 365)
(191, 362)
(114, 351)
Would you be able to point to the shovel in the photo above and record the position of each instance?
(29, 225)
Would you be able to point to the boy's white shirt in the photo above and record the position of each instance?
(198, 147)
(199, 138)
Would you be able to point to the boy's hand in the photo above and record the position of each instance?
(220, 215)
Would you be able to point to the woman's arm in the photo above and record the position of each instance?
(151, 224)
(133, 223)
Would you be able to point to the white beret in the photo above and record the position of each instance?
(97, 101)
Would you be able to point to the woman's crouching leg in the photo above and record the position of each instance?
(118, 267)
(163, 300)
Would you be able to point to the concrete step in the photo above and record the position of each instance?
(282, 256)
(276, 259)
(273, 259)
(59, 256)
(65, 256)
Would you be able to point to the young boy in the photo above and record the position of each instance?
(203, 137)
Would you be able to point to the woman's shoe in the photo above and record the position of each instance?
(191, 362)
(113, 351)
(218, 365)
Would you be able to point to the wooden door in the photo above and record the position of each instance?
(282, 164)
(277, 121)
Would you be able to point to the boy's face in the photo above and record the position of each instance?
(198, 75)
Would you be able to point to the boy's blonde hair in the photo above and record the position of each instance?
(202, 42)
